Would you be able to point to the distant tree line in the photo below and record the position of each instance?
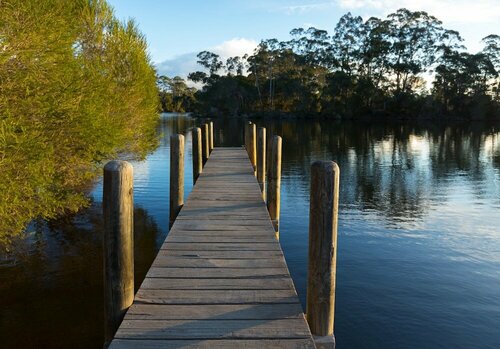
(175, 95)
(407, 64)
(76, 88)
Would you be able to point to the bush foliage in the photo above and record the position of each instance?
(76, 87)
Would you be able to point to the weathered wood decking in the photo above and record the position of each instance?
(220, 279)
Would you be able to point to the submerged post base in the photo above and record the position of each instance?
(324, 342)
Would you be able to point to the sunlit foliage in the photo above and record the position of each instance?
(76, 87)
(378, 66)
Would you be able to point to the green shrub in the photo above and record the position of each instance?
(76, 87)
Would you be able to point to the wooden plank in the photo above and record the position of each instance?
(218, 196)
(176, 262)
(222, 216)
(215, 312)
(206, 273)
(305, 343)
(237, 254)
(227, 224)
(216, 296)
(267, 283)
(221, 239)
(214, 174)
(214, 209)
(197, 246)
(212, 329)
(208, 202)
(223, 233)
(211, 204)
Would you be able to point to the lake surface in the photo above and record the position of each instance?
(418, 245)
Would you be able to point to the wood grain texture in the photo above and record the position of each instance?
(220, 279)
(203, 297)
(260, 283)
(221, 272)
(205, 143)
(215, 344)
(192, 329)
(118, 244)
(261, 160)
(176, 176)
(215, 312)
(197, 153)
(274, 183)
(251, 144)
(322, 247)
(211, 136)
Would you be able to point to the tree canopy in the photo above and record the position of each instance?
(76, 87)
(406, 64)
(175, 95)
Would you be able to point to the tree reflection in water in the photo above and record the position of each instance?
(418, 241)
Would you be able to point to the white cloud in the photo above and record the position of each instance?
(235, 47)
(184, 64)
(449, 11)
(474, 19)
(301, 9)
(180, 65)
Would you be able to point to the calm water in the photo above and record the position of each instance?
(419, 239)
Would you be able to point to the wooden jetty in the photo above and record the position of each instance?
(220, 279)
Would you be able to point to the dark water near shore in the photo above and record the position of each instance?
(419, 237)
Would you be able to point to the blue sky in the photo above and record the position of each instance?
(177, 30)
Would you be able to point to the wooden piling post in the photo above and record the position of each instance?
(261, 160)
(211, 136)
(176, 176)
(246, 134)
(274, 183)
(322, 251)
(118, 244)
(251, 145)
(205, 143)
(197, 153)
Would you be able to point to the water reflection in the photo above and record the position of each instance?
(398, 170)
(419, 247)
(52, 284)
(51, 280)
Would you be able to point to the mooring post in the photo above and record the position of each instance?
(251, 145)
(118, 244)
(247, 137)
(205, 143)
(176, 176)
(261, 160)
(197, 153)
(274, 183)
(211, 136)
(323, 214)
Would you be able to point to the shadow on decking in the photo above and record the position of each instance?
(281, 320)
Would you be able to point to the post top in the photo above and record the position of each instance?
(325, 165)
(176, 136)
(117, 166)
